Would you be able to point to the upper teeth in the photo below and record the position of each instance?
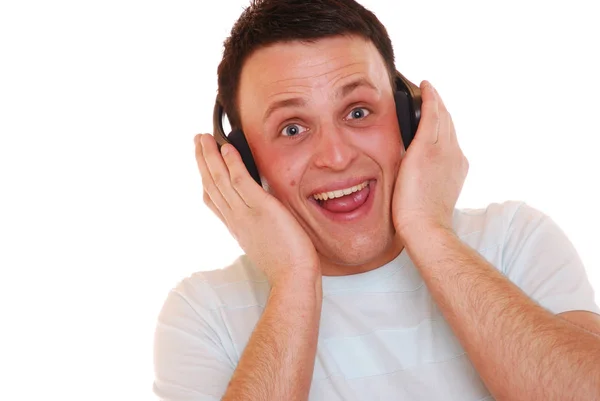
(341, 192)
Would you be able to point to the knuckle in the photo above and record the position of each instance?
(219, 179)
(206, 198)
(208, 187)
(255, 213)
(237, 180)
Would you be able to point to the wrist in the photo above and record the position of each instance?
(298, 285)
(421, 228)
(422, 236)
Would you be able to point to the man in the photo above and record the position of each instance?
(360, 279)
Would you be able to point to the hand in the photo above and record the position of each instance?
(268, 233)
(432, 171)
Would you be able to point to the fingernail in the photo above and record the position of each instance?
(197, 139)
(224, 150)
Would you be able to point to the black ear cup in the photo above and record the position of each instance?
(238, 139)
(408, 110)
(403, 114)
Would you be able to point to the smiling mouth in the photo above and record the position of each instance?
(345, 200)
(323, 196)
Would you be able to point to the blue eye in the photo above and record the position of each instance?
(358, 113)
(292, 130)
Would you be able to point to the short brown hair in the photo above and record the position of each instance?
(266, 22)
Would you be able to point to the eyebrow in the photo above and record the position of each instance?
(351, 86)
(280, 104)
(301, 102)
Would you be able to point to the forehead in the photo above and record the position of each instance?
(301, 67)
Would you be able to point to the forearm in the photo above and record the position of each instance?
(520, 350)
(278, 361)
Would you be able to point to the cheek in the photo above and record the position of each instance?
(385, 148)
(281, 172)
(392, 147)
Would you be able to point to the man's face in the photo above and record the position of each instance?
(320, 117)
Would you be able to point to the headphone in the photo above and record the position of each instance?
(408, 110)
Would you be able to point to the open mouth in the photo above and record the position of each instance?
(346, 204)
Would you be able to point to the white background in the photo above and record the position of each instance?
(101, 202)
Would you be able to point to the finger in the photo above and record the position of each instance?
(211, 205)
(220, 172)
(208, 183)
(242, 182)
(447, 133)
(429, 125)
(452, 138)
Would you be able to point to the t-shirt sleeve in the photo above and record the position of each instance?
(190, 362)
(540, 259)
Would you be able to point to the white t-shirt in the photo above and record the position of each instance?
(381, 335)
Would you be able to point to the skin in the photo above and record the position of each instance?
(329, 146)
(520, 350)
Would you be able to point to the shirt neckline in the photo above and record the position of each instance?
(352, 281)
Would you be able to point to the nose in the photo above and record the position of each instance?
(334, 149)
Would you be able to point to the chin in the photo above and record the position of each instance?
(365, 251)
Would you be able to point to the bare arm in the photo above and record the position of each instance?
(278, 361)
(520, 350)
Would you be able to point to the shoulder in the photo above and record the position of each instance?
(494, 220)
(217, 306)
(201, 330)
(491, 228)
(228, 287)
